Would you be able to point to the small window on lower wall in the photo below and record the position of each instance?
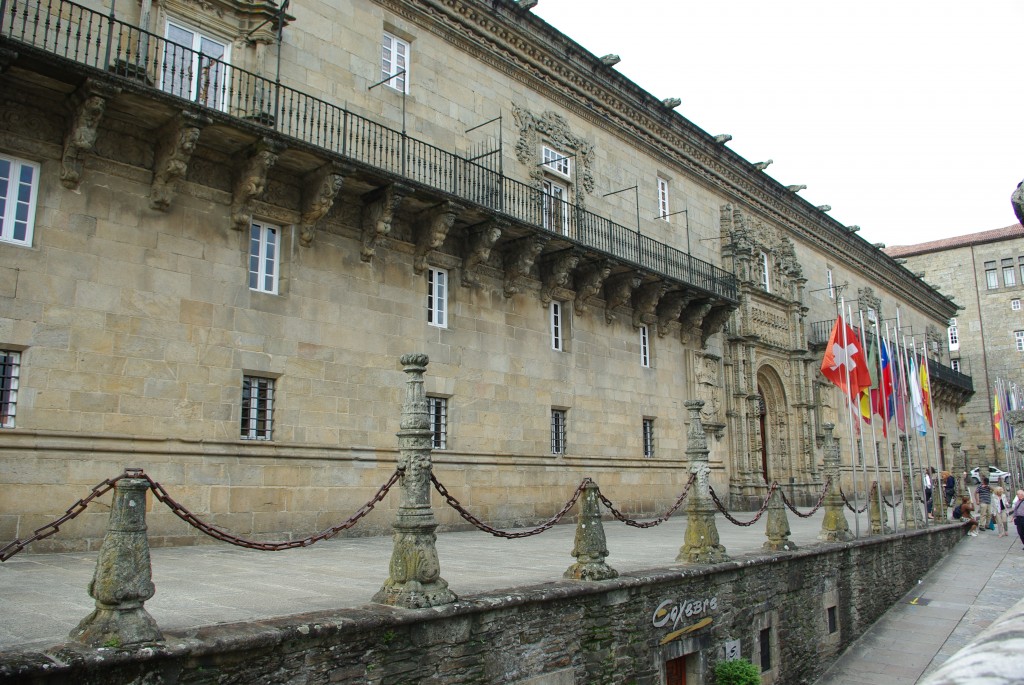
(10, 372)
(257, 408)
(833, 620)
(765, 643)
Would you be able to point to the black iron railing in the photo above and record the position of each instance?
(100, 41)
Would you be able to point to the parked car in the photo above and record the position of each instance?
(995, 475)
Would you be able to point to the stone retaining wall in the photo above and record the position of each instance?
(618, 631)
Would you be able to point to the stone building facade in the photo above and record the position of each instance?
(984, 273)
(230, 220)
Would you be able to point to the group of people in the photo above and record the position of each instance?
(987, 503)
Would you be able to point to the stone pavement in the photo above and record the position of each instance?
(980, 579)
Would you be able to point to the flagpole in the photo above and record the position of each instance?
(926, 424)
(871, 422)
(849, 407)
(935, 430)
(885, 415)
(910, 452)
(901, 366)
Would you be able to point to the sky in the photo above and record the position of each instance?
(905, 116)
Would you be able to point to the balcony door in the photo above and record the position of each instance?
(195, 66)
(556, 206)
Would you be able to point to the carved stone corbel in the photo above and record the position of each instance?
(379, 207)
(478, 249)
(556, 273)
(176, 141)
(87, 105)
(320, 188)
(251, 180)
(618, 292)
(713, 322)
(589, 282)
(434, 226)
(693, 316)
(519, 260)
(669, 309)
(647, 298)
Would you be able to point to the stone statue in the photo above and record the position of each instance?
(1017, 200)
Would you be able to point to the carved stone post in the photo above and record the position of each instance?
(701, 542)
(938, 498)
(877, 513)
(959, 458)
(777, 527)
(123, 579)
(912, 513)
(590, 548)
(834, 527)
(414, 579)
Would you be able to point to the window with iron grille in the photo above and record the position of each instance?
(257, 408)
(558, 418)
(645, 346)
(438, 408)
(19, 182)
(264, 259)
(10, 371)
(395, 62)
(649, 438)
(437, 297)
(663, 210)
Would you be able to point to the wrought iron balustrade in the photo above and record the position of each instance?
(104, 43)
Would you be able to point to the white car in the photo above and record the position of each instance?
(995, 475)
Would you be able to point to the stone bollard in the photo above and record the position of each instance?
(123, 579)
(834, 527)
(590, 547)
(879, 517)
(414, 579)
(701, 543)
(777, 526)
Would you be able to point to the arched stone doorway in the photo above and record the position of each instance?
(774, 425)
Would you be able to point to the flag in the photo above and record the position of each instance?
(917, 419)
(997, 416)
(843, 356)
(926, 399)
(881, 398)
(867, 392)
(899, 387)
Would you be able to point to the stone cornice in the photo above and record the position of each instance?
(527, 49)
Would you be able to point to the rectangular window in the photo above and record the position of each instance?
(10, 371)
(648, 438)
(557, 162)
(395, 62)
(645, 346)
(195, 66)
(1018, 337)
(991, 277)
(833, 623)
(1009, 273)
(953, 333)
(955, 365)
(765, 644)
(1020, 262)
(18, 188)
(765, 278)
(263, 257)
(1015, 305)
(257, 408)
(558, 417)
(557, 327)
(555, 198)
(831, 284)
(663, 210)
(438, 408)
(437, 297)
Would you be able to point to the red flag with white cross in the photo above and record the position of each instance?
(844, 359)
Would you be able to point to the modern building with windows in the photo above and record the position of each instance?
(984, 273)
(223, 224)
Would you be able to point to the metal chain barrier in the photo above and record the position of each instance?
(817, 505)
(760, 512)
(184, 514)
(12, 548)
(654, 522)
(890, 504)
(221, 534)
(850, 506)
(464, 513)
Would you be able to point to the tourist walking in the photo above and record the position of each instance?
(983, 498)
(1018, 514)
(962, 512)
(927, 480)
(1000, 507)
(948, 487)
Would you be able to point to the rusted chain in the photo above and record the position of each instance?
(890, 504)
(464, 513)
(817, 505)
(850, 506)
(760, 512)
(12, 548)
(654, 522)
(221, 534)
